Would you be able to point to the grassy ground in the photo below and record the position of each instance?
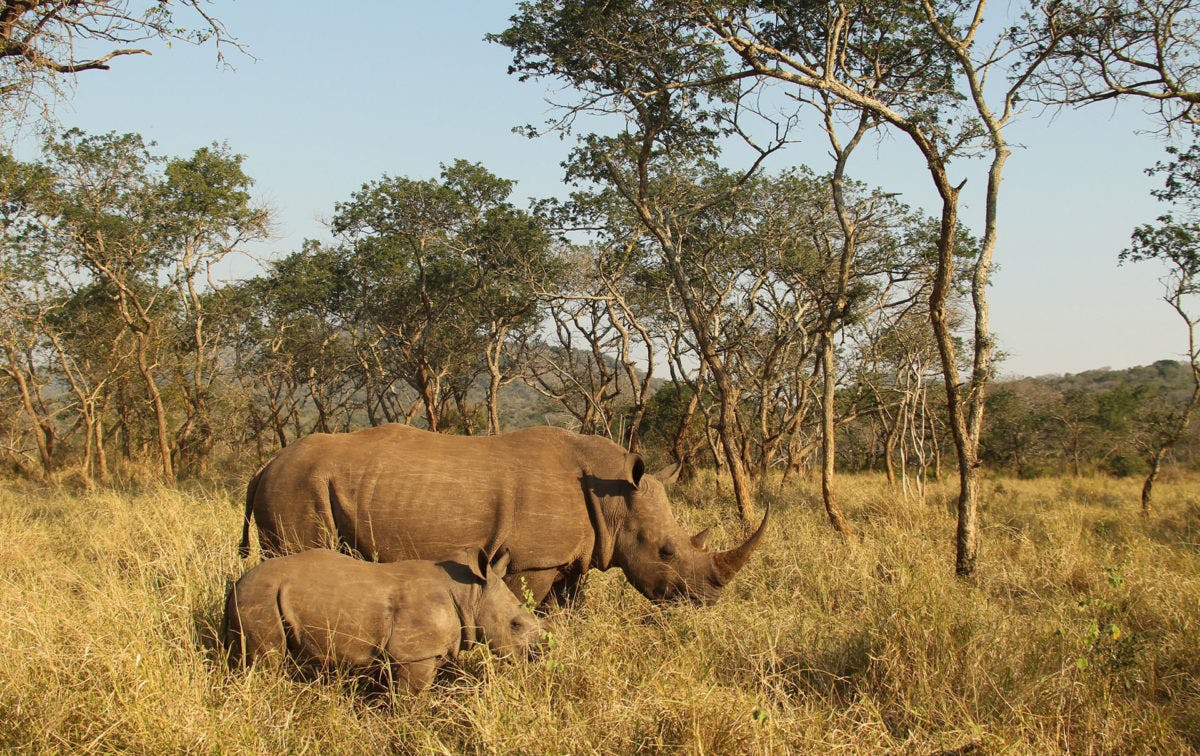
(1079, 635)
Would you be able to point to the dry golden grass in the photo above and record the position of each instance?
(1079, 634)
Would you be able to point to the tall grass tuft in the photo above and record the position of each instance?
(1077, 635)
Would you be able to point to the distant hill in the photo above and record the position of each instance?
(1164, 377)
(1103, 419)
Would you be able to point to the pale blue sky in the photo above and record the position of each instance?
(339, 98)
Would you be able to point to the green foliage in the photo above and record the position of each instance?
(1107, 649)
(1123, 465)
(108, 250)
(208, 193)
(441, 268)
(1105, 420)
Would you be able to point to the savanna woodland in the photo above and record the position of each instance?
(954, 563)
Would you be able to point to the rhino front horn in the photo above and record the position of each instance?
(727, 563)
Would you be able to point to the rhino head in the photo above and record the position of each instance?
(661, 560)
(499, 618)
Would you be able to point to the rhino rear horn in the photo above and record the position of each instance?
(701, 538)
(727, 563)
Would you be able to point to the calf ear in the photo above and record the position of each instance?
(477, 562)
(499, 566)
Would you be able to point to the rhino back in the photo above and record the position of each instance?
(394, 492)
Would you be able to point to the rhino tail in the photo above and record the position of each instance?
(251, 489)
(231, 637)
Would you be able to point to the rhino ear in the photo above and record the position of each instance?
(669, 474)
(477, 562)
(499, 565)
(635, 468)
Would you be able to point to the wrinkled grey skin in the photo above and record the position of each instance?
(397, 621)
(561, 503)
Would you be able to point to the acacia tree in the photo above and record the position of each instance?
(846, 253)
(45, 42)
(516, 260)
(117, 236)
(613, 322)
(919, 68)
(1174, 240)
(92, 353)
(1102, 50)
(656, 166)
(583, 369)
(204, 213)
(314, 347)
(437, 270)
(21, 294)
(102, 211)
(58, 329)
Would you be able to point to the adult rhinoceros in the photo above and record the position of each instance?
(560, 502)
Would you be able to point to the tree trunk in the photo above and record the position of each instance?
(727, 392)
(828, 442)
(429, 399)
(101, 456)
(889, 446)
(1148, 486)
(492, 351)
(679, 448)
(726, 421)
(966, 534)
(39, 434)
(493, 403)
(160, 411)
(464, 412)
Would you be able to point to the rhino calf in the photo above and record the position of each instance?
(399, 620)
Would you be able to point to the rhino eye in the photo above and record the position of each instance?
(667, 551)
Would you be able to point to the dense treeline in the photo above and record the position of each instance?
(115, 332)
(125, 351)
(675, 83)
(1102, 420)
(776, 303)
(123, 345)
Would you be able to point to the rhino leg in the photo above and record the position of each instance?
(231, 632)
(416, 676)
(532, 583)
(569, 591)
(550, 589)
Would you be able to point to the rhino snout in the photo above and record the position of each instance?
(523, 636)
